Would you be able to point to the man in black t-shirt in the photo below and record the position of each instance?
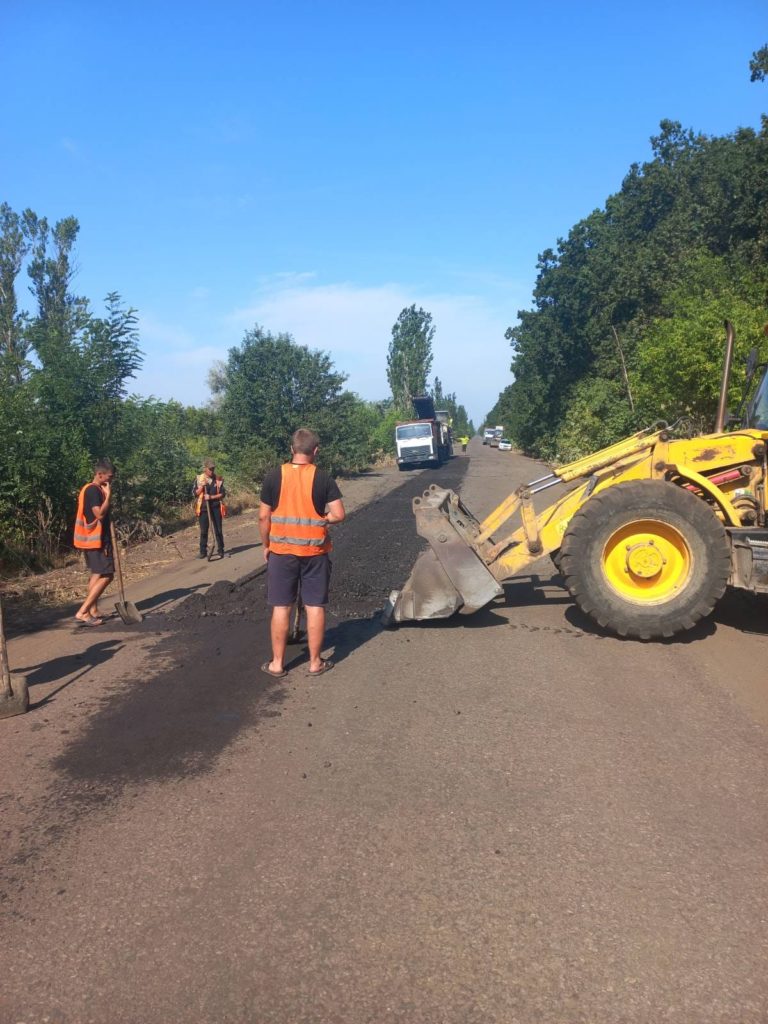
(324, 489)
(298, 503)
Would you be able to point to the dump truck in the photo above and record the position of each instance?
(647, 537)
(425, 441)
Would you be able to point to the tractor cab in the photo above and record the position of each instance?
(756, 413)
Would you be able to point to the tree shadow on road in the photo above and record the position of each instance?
(173, 722)
(57, 668)
(68, 665)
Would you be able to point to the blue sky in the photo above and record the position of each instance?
(316, 167)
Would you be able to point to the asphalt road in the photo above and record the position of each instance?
(508, 818)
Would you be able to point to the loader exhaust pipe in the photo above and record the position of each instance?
(722, 405)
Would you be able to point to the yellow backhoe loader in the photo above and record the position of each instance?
(652, 531)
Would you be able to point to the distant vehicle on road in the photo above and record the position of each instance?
(505, 445)
(498, 433)
(488, 433)
(426, 441)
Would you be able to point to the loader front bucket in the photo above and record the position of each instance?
(449, 577)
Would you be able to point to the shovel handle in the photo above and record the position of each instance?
(5, 673)
(116, 556)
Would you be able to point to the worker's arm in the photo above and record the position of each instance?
(265, 521)
(335, 513)
(100, 511)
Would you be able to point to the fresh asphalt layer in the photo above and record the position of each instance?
(508, 817)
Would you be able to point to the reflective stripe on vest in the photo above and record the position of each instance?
(295, 528)
(87, 536)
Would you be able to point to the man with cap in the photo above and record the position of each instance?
(208, 491)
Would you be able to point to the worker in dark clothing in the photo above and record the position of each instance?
(209, 492)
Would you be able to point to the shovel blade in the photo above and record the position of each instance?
(17, 701)
(129, 613)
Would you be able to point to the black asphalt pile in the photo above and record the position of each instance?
(373, 554)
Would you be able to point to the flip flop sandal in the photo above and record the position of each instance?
(90, 621)
(275, 675)
(325, 666)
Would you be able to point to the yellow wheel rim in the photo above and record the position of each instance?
(647, 561)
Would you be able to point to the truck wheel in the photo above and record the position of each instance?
(645, 559)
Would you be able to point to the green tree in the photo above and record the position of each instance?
(111, 356)
(608, 288)
(17, 233)
(460, 422)
(267, 388)
(679, 359)
(409, 358)
(758, 65)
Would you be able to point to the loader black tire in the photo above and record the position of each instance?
(629, 588)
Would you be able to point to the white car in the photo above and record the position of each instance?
(505, 445)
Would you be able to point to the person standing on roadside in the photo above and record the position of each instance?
(298, 504)
(208, 490)
(92, 537)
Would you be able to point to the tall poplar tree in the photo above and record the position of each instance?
(409, 359)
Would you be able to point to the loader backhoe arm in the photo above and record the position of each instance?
(469, 558)
(465, 563)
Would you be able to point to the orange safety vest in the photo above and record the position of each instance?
(296, 528)
(87, 535)
(200, 482)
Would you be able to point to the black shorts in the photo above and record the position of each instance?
(100, 562)
(284, 572)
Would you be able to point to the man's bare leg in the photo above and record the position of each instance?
(96, 587)
(99, 591)
(281, 621)
(315, 635)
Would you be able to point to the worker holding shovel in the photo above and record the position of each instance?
(92, 537)
(209, 505)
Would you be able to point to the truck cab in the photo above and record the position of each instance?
(416, 442)
(426, 441)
